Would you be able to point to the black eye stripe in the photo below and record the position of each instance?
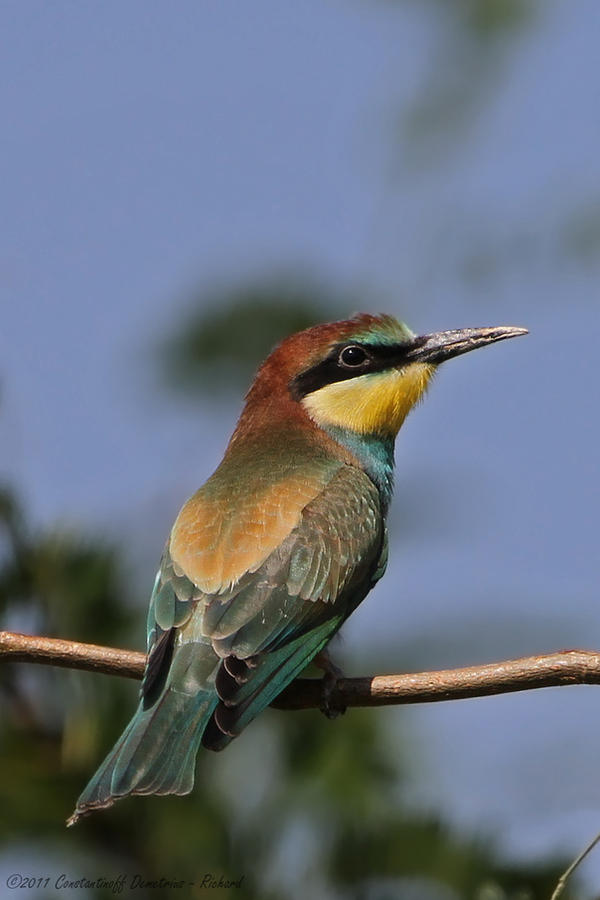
(377, 358)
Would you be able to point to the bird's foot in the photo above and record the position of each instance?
(332, 672)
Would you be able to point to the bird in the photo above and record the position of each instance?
(267, 560)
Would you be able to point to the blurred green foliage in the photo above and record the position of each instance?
(298, 806)
(470, 48)
(227, 331)
(493, 17)
(581, 233)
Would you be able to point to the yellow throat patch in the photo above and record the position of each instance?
(376, 403)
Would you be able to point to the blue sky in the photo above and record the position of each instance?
(150, 149)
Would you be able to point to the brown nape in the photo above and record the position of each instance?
(301, 351)
(269, 399)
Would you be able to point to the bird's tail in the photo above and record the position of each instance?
(156, 753)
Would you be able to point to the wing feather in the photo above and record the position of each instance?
(318, 573)
(295, 601)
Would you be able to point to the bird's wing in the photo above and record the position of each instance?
(217, 658)
(221, 540)
(268, 627)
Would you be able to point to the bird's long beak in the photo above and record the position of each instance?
(436, 348)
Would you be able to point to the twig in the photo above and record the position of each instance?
(569, 871)
(526, 673)
(16, 647)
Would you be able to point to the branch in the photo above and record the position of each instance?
(562, 881)
(527, 673)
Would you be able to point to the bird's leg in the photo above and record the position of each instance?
(329, 681)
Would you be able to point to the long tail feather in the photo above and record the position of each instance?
(156, 753)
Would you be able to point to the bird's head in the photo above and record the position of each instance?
(363, 374)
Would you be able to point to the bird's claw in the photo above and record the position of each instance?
(328, 705)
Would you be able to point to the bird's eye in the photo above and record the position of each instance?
(353, 356)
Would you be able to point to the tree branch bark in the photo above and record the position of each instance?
(526, 673)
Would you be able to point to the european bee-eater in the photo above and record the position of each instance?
(269, 558)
